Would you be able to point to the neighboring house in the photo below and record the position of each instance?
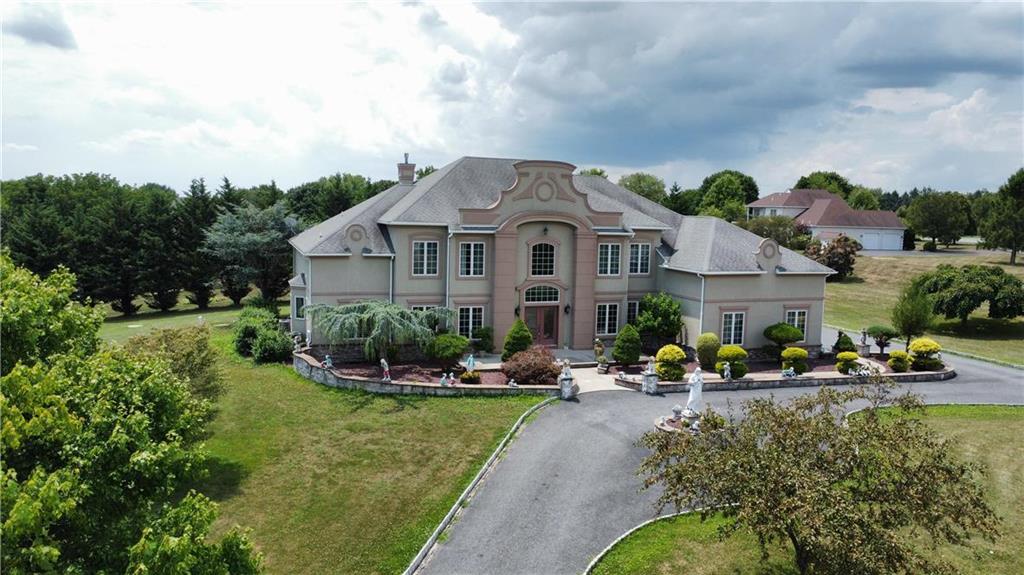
(495, 239)
(828, 217)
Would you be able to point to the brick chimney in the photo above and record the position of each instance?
(406, 171)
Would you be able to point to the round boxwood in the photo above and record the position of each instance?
(707, 350)
(899, 361)
(735, 355)
(796, 358)
(671, 363)
(925, 350)
(846, 361)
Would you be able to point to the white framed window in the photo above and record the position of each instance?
(471, 259)
(300, 302)
(632, 310)
(538, 294)
(542, 260)
(639, 259)
(732, 327)
(424, 258)
(470, 318)
(798, 319)
(608, 259)
(607, 318)
(421, 307)
(773, 212)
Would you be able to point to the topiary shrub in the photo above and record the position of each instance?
(627, 346)
(736, 357)
(899, 361)
(707, 350)
(796, 358)
(534, 366)
(843, 343)
(271, 345)
(470, 378)
(882, 334)
(782, 333)
(925, 351)
(846, 362)
(447, 349)
(517, 339)
(484, 339)
(671, 363)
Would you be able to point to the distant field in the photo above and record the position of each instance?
(867, 299)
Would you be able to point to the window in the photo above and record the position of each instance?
(470, 318)
(421, 307)
(607, 318)
(640, 259)
(773, 212)
(542, 260)
(471, 259)
(632, 310)
(608, 259)
(424, 258)
(300, 302)
(542, 294)
(732, 327)
(798, 319)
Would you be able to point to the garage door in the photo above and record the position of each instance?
(870, 241)
(892, 241)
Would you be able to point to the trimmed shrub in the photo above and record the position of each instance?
(843, 343)
(534, 366)
(925, 352)
(627, 346)
(447, 348)
(271, 345)
(517, 339)
(188, 351)
(882, 334)
(659, 319)
(846, 362)
(782, 333)
(707, 350)
(736, 357)
(470, 378)
(899, 361)
(796, 358)
(484, 339)
(260, 302)
(671, 363)
(601, 359)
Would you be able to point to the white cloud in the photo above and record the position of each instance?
(20, 147)
(975, 124)
(902, 100)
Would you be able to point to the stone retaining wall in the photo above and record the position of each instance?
(803, 381)
(308, 367)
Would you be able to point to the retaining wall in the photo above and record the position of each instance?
(308, 367)
(803, 381)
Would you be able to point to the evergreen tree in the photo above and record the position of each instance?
(196, 212)
(228, 196)
(161, 257)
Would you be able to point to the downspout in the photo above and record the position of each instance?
(702, 284)
(309, 300)
(391, 279)
(447, 266)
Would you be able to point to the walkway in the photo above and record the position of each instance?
(567, 486)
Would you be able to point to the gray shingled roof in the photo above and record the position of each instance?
(692, 243)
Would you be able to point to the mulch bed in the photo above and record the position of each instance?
(821, 364)
(425, 372)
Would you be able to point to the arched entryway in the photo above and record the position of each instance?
(541, 313)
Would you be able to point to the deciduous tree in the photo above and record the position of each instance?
(939, 216)
(957, 291)
(830, 181)
(647, 185)
(747, 183)
(1001, 223)
(862, 198)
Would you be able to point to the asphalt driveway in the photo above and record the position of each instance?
(567, 487)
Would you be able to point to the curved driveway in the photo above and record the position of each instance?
(567, 486)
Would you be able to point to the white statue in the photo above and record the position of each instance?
(695, 402)
(444, 379)
(385, 369)
(650, 365)
(566, 372)
(788, 373)
(451, 378)
(297, 340)
(512, 383)
(327, 363)
(471, 363)
(726, 371)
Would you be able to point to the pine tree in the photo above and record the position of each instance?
(196, 212)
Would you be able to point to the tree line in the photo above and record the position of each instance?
(124, 242)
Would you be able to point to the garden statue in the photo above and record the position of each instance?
(298, 342)
(451, 378)
(788, 373)
(201, 320)
(471, 363)
(598, 348)
(327, 363)
(726, 371)
(444, 379)
(566, 372)
(863, 336)
(650, 365)
(695, 402)
(386, 369)
(677, 412)
(512, 383)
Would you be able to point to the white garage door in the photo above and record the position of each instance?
(892, 241)
(870, 241)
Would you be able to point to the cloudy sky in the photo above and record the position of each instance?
(889, 95)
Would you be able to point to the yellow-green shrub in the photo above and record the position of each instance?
(925, 350)
(846, 361)
(899, 361)
(796, 358)
(671, 364)
(735, 355)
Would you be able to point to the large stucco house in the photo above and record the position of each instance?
(827, 217)
(494, 239)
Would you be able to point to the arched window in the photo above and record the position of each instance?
(542, 294)
(542, 260)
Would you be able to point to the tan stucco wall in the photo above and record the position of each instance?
(407, 285)
(765, 299)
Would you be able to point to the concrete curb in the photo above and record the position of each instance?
(597, 559)
(432, 540)
(743, 384)
(949, 351)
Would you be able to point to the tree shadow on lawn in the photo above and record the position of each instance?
(148, 315)
(357, 400)
(981, 328)
(222, 478)
(850, 280)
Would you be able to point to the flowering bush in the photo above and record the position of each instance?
(671, 364)
(795, 358)
(534, 366)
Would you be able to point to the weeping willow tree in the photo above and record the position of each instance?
(378, 324)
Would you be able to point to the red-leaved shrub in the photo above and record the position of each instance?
(534, 366)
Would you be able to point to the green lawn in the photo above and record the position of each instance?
(867, 299)
(988, 434)
(335, 481)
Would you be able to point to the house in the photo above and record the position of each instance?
(495, 239)
(828, 216)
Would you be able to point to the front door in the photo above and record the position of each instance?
(543, 324)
